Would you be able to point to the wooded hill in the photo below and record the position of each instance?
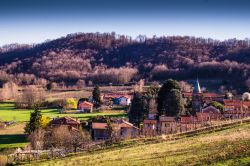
(104, 58)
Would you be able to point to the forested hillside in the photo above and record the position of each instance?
(104, 58)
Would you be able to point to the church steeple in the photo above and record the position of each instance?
(197, 97)
(197, 88)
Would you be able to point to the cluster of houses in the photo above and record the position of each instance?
(85, 105)
(204, 113)
(154, 124)
(121, 128)
(117, 99)
(99, 129)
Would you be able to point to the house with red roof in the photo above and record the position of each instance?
(118, 98)
(85, 107)
(71, 123)
(212, 112)
(121, 128)
(236, 108)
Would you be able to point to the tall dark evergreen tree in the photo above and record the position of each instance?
(164, 93)
(138, 110)
(96, 96)
(49, 86)
(35, 121)
(173, 104)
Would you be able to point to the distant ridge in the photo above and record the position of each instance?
(82, 56)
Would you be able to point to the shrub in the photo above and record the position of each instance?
(71, 103)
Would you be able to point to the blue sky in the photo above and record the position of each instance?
(30, 21)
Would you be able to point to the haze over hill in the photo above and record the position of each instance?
(108, 57)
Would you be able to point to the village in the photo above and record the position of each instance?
(202, 105)
(180, 112)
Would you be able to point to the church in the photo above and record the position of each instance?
(197, 101)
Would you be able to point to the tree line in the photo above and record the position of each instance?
(111, 58)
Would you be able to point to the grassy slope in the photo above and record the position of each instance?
(227, 147)
(8, 113)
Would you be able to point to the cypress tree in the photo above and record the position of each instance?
(138, 110)
(35, 121)
(96, 96)
(170, 100)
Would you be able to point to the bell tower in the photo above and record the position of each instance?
(197, 97)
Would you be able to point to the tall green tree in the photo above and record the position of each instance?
(35, 121)
(173, 104)
(96, 96)
(163, 95)
(138, 110)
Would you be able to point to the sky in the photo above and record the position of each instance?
(34, 21)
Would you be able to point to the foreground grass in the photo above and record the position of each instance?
(227, 147)
(8, 113)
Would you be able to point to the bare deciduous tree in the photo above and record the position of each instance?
(9, 91)
(185, 87)
(30, 96)
(36, 139)
(59, 137)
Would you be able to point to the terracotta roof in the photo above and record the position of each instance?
(65, 120)
(187, 119)
(85, 103)
(233, 102)
(150, 121)
(167, 118)
(187, 94)
(123, 123)
(97, 125)
(213, 95)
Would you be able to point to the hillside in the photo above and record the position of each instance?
(226, 147)
(104, 58)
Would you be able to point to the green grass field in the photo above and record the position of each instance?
(223, 148)
(12, 137)
(8, 113)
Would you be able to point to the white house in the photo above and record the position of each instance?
(125, 100)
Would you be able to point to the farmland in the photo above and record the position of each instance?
(226, 147)
(9, 113)
(13, 136)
